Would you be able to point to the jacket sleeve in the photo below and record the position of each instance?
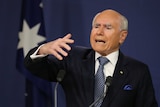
(42, 67)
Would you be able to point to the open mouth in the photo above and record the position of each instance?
(100, 41)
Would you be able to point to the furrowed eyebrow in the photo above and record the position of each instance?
(105, 25)
(108, 26)
(96, 24)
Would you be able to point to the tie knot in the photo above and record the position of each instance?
(103, 60)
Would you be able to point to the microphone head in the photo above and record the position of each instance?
(60, 75)
(108, 81)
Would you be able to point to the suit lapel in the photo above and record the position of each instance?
(119, 77)
(88, 70)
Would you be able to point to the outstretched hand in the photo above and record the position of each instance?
(57, 47)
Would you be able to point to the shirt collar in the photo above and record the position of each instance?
(112, 57)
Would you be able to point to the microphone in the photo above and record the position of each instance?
(107, 83)
(60, 75)
(59, 78)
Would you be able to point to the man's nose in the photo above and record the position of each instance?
(100, 31)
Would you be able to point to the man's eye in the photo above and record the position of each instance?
(108, 28)
(96, 26)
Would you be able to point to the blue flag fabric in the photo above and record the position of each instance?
(31, 34)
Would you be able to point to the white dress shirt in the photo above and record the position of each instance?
(110, 66)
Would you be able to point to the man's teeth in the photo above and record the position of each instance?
(100, 41)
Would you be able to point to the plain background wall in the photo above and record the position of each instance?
(75, 16)
(12, 82)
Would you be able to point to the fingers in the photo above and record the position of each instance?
(67, 39)
(67, 36)
(58, 47)
(57, 55)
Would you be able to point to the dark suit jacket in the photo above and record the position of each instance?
(131, 85)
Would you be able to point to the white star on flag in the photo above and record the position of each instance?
(29, 37)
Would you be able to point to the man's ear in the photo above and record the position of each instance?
(123, 36)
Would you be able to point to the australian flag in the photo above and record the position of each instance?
(31, 34)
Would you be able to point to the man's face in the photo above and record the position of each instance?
(106, 35)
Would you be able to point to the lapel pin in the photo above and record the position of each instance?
(121, 72)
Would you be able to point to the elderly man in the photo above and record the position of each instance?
(85, 81)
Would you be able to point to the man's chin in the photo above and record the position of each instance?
(100, 51)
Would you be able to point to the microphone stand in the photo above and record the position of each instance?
(55, 94)
(107, 83)
(102, 96)
(60, 77)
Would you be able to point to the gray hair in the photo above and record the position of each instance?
(123, 22)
